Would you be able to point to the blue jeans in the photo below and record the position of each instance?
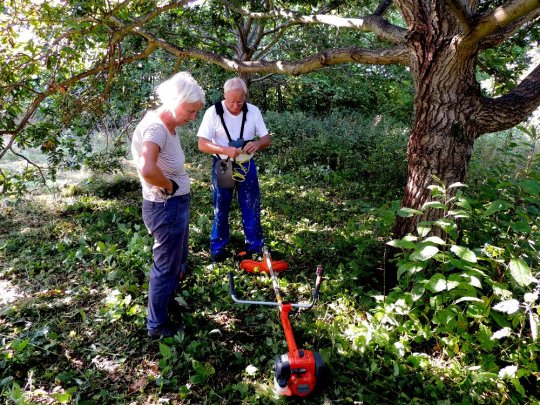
(168, 223)
(249, 200)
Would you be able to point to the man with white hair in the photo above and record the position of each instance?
(160, 161)
(233, 130)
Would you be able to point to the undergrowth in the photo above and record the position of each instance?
(461, 327)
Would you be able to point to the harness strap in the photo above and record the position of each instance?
(219, 110)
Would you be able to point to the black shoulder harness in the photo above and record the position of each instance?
(219, 111)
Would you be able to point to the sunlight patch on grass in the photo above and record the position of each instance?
(8, 292)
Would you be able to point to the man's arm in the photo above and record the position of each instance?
(209, 147)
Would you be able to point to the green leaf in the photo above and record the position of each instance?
(197, 366)
(402, 244)
(408, 212)
(444, 317)
(457, 184)
(485, 377)
(508, 307)
(424, 253)
(530, 186)
(519, 388)
(410, 268)
(459, 213)
(198, 379)
(165, 350)
(501, 333)
(436, 283)
(468, 299)
(63, 398)
(434, 204)
(496, 206)
(520, 272)
(464, 253)
(484, 337)
(205, 369)
(508, 372)
(435, 188)
(445, 224)
(436, 240)
(463, 204)
(183, 392)
(521, 227)
(20, 345)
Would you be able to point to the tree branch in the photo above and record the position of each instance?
(499, 19)
(383, 6)
(461, 13)
(372, 23)
(501, 36)
(63, 86)
(509, 110)
(40, 170)
(398, 54)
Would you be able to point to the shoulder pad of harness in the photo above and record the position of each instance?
(219, 108)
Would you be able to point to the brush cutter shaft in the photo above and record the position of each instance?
(287, 328)
(266, 256)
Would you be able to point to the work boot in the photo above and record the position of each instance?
(219, 257)
(168, 329)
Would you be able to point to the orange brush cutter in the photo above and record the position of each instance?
(297, 372)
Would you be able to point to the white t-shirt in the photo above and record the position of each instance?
(171, 157)
(212, 129)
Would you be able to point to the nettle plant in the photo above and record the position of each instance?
(470, 296)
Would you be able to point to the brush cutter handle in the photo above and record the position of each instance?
(308, 305)
(232, 293)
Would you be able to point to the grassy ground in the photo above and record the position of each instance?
(73, 276)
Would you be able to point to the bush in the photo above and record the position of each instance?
(341, 147)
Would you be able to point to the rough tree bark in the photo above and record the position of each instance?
(447, 96)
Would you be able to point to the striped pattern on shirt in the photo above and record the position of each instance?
(171, 156)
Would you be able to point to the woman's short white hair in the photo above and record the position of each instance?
(181, 88)
(234, 84)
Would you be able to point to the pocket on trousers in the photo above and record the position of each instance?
(152, 214)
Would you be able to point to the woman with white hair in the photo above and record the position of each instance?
(160, 159)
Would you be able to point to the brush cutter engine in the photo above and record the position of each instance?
(296, 373)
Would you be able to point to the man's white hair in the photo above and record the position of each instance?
(234, 84)
(181, 88)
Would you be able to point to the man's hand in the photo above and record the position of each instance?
(251, 147)
(233, 152)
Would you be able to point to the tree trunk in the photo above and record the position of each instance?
(446, 101)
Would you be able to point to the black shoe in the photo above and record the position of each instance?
(168, 329)
(219, 258)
